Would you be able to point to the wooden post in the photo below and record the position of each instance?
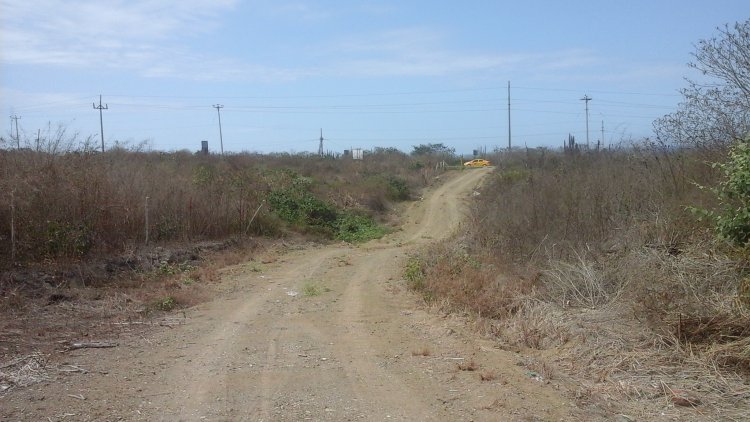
(13, 226)
(146, 209)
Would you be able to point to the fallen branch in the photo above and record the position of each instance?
(73, 368)
(92, 345)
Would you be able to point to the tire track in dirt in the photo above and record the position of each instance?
(344, 353)
(228, 340)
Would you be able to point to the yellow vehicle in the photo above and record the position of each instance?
(479, 162)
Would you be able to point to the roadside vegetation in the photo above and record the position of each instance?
(624, 268)
(89, 238)
(73, 204)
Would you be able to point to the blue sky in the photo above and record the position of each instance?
(370, 73)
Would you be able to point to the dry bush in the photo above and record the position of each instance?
(537, 325)
(567, 203)
(69, 203)
(468, 284)
(633, 292)
(488, 375)
(577, 283)
(470, 365)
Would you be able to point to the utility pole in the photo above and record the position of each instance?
(101, 121)
(320, 147)
(509, 116)
(15, 119)
(586, 98)
(602, 133)
(218, 108)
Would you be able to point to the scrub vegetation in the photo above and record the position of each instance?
(625, 267)
(69, 203)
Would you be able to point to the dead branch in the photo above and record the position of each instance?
(73, 368)
(91, 345)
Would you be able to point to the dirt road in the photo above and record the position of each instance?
(327, 333)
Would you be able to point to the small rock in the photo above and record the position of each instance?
(624, 418)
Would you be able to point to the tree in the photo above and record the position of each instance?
(433, 149)
(715, 111)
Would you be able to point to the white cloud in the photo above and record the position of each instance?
(297, 10)
(420, 51)
(151, 38)
(138, 35)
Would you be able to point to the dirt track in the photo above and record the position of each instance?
(360, 347)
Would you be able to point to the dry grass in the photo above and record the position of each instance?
(75, 204)
(589, 264)
(470, 365)
(37, 317)
(424, 351)
(488, 375)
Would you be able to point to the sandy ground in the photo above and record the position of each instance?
(319, 333)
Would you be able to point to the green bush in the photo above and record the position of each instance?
(415, 274)
(357, 228)
(296, 205)
(732, 218)
(301, 208)
(398, 189)
(166, 304)
(66, 239)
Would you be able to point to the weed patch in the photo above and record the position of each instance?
(470, 366)
(414, 274)
(357, 228)
(166, 304)
(312, 289)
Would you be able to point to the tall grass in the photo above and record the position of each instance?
(564, 204)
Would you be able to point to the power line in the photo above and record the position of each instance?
(14, 118)
(101, 121)
(320, 148)
(395, 93)
(218, 108)
(586, 98)
(509, 145)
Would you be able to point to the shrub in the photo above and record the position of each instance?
(398, 189)
(732, 220)
(65, 239)
(414, 274)
(357, 228)
(166, 304)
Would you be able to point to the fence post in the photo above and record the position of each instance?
(146, 209)
(13, 226)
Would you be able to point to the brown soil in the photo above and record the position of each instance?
(318, 333)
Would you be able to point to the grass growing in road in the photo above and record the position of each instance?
(312, 289)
